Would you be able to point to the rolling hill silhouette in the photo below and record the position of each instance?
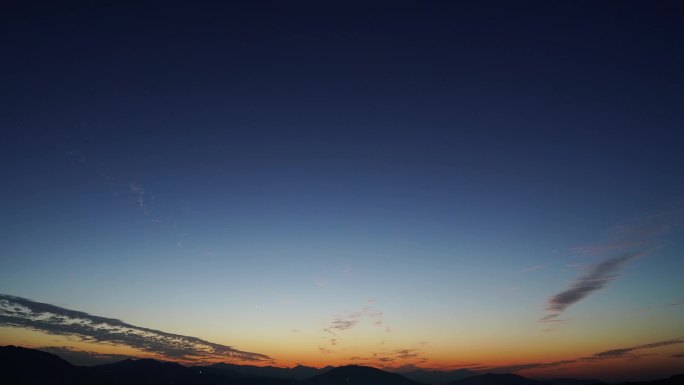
(572, 381)
(496, 379)
(28, 366)
(358, 375)
(436, 377)
(22, 366)
(298, 372)
(152, 372)
(147, 371)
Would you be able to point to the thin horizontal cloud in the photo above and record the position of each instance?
(24, 313)
(406, 354)
(393, 359)
(527, 366)
(620, 353)
(625, 351)
(472, 367)
(676, 303)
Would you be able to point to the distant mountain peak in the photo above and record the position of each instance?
(358, 375)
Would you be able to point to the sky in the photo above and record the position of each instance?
(487, 185)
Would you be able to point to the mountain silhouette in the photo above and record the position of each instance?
(22, 366)
(436, 377)
(358, 375)
(674, 380)
(572, 381)
(19, 366)
(496, 379)
(147, 371)
(152, 372)
(298, 372)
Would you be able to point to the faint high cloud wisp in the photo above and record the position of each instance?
(140, 196)
(24, 313)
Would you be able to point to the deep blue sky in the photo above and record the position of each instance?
(418, 155)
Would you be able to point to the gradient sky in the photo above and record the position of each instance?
(491, 185)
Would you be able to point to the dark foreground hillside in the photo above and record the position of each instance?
(22, 366)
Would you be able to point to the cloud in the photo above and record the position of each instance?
(626, 243)
(407, 368)
(139, 192)
(142, 198)
(676, 303)
(321, 281)
(24, 313)
(625, 351)
(595, 279)
(347, 321)
(406, 354)
(344, 322)
(375, 316)
(393, 358)
(527, 366)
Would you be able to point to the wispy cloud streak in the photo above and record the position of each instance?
(625, 353)
(595, 279)
(628, 242)
(24, 313)
(393, 359)
(349, 320)
(344, 322)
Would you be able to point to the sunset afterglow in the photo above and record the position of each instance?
(491, 186)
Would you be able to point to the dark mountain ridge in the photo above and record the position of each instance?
(28, 366)
(298, 372)
(496, 379)
(22, 366)
(436, 377)
(358, 375)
